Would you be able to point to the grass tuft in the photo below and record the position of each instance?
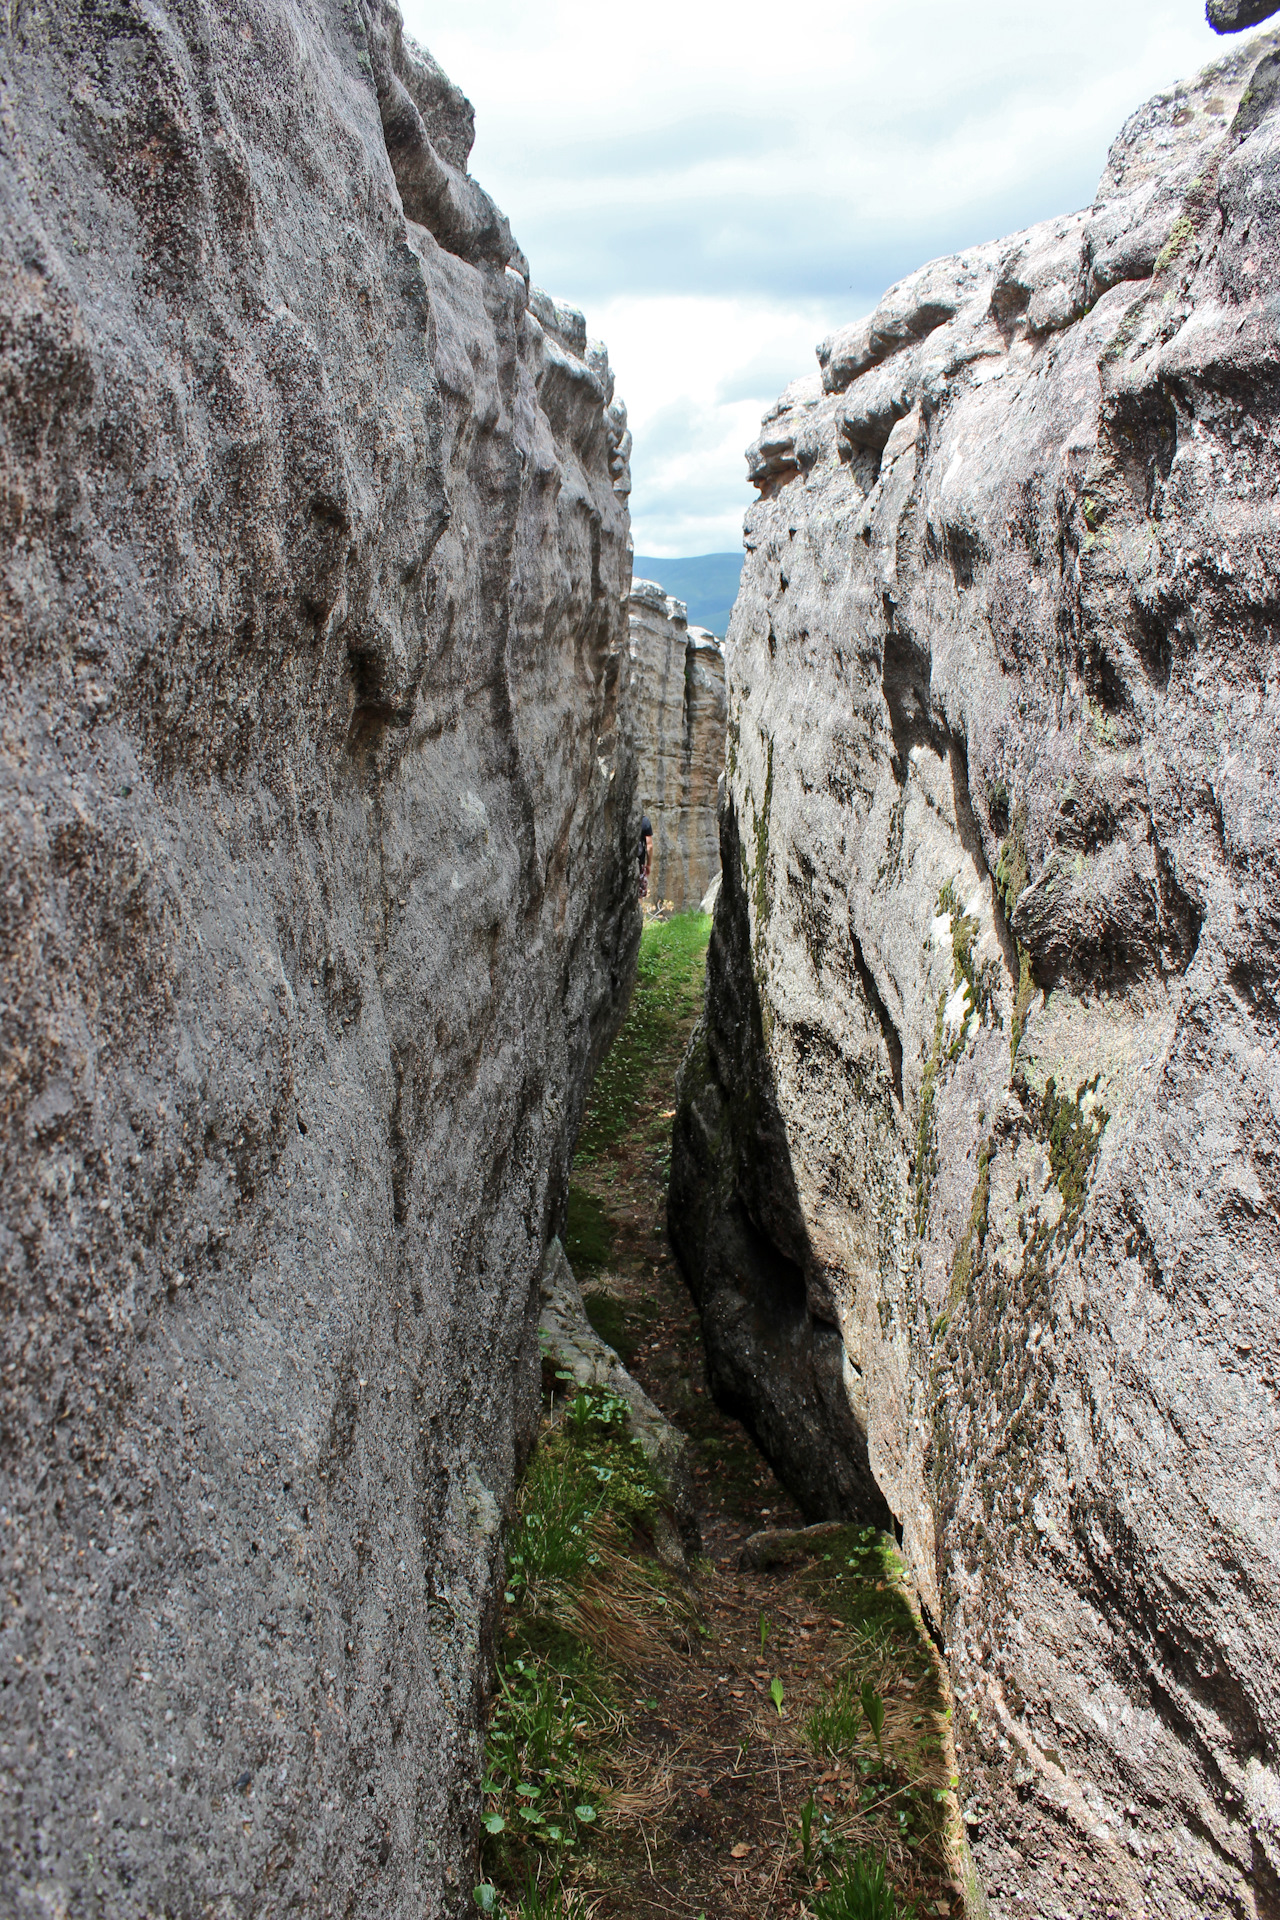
(860, 1892)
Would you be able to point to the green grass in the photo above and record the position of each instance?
(669, 980)
(572, 1601)
(588, 1234)
(884, 1712)
(859, 1892)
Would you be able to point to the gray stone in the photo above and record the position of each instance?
(677, 706)
(776, 1547)
(317, 845)
(1002, 683)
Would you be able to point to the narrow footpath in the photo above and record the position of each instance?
(745, 1742)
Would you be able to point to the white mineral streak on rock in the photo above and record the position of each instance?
(317, 859)
(1007, 627)
(677, 709)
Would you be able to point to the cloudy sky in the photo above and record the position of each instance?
(718, 183)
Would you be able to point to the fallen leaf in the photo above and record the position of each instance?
(703, 1793)
(741, 1851)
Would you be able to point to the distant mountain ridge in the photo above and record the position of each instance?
(706, 582)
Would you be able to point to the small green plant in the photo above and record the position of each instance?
(1013, 870)
(834, 1729)
(1022, 1000)
(806, 1831)
(776, 1694)
(860, 1892)
(926, 1141)
(765, 1624)
(873, 1709)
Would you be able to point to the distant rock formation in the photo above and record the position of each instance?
(317, 863)
(677, 709)
(978, 1149)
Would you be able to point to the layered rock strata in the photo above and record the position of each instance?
(677, 709)
(985, 1112)
(318, 903)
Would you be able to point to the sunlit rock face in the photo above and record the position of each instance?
(677, 711)
(988, 1088)
(318, 902)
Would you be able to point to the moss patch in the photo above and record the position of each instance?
(1181, 234)
(588, 1236)
(1013, 871)
(926, 1132)
(1072, 1131)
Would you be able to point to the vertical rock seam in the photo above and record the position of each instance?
(319, 904)
(983, 1115)
(677, 708)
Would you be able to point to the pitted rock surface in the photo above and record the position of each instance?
(677, 709)
(319, 902)
(987, 1095)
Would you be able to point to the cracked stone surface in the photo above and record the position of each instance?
(977, 1164)
(318, 887)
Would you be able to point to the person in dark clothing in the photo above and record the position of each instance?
(646, 853)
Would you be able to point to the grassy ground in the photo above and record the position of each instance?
(742, 1745)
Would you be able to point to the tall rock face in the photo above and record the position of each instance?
(987, 1094)
(318, 901)
(677, 711)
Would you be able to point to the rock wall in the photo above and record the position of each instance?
(677, 708)
(318, 902)
(985, 1111)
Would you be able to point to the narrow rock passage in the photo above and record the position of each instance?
(737, 1735)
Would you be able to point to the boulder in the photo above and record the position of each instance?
(975, 1168)
(317, 859)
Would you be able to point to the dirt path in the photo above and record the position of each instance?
(727, 1796)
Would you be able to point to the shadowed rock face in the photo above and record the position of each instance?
(1233, 16)
(677, 713)
(318, 901)
(989, 1071)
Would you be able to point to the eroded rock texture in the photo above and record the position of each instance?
(988, 1091)
(677, 711)
(318, 898)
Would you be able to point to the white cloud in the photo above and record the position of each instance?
(718, 182)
